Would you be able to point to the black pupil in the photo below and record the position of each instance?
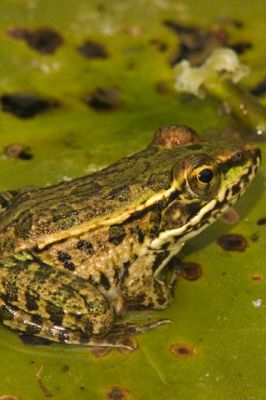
(205, 175)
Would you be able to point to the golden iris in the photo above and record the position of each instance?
(203, 177)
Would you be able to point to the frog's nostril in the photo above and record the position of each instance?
(239, 157)
(255, 155)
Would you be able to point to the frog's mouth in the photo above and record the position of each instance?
(238, 172)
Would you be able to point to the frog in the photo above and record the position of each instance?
(79, 255)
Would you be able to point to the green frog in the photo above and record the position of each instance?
(77, 255)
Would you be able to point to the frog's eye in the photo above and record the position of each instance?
(203, 177)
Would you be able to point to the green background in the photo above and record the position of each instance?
(221, 317)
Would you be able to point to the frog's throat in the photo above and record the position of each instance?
(209, 213)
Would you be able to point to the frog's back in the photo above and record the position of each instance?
(69, 207)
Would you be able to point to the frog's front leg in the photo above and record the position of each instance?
(41, 300)
(146, 289)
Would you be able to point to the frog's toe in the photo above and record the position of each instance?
(128, 328)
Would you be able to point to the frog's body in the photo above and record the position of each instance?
(74, 256)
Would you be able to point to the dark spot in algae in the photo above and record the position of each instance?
(16, 150)
(232, 242)
(104, 99)
(254, 237)
(92, 49)
(241, 47)
(191, 271)
(259, 89)
(26, 105)
(159, 44)
(257, 277)
(181, 350)
(65, 368)
(261, 221)
(117, 393)
(43, 40)
(195, 43)
(163, 88)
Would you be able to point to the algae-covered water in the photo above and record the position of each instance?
(83, 83)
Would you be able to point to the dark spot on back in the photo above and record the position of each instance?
(117, 393)
(104, 99)
(104, 281)
(85, 246)
(261, 221)
(232, 242)
(23, 224)
(26, 105)
(116, 234)
(62, 211)
(180, 350)
(92, 49)
(17, 150)
(56, 313)
(31, 301)
(120, 193)
(65, 259)
(44, 40)
(190, 271)
(156, 183)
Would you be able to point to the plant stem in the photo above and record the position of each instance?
(242, 104)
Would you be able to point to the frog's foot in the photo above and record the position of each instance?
(122, 335)
(174, 267)
(128, 328)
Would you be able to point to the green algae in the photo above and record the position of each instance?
(219, 319)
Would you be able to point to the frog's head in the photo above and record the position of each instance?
(207, 178)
